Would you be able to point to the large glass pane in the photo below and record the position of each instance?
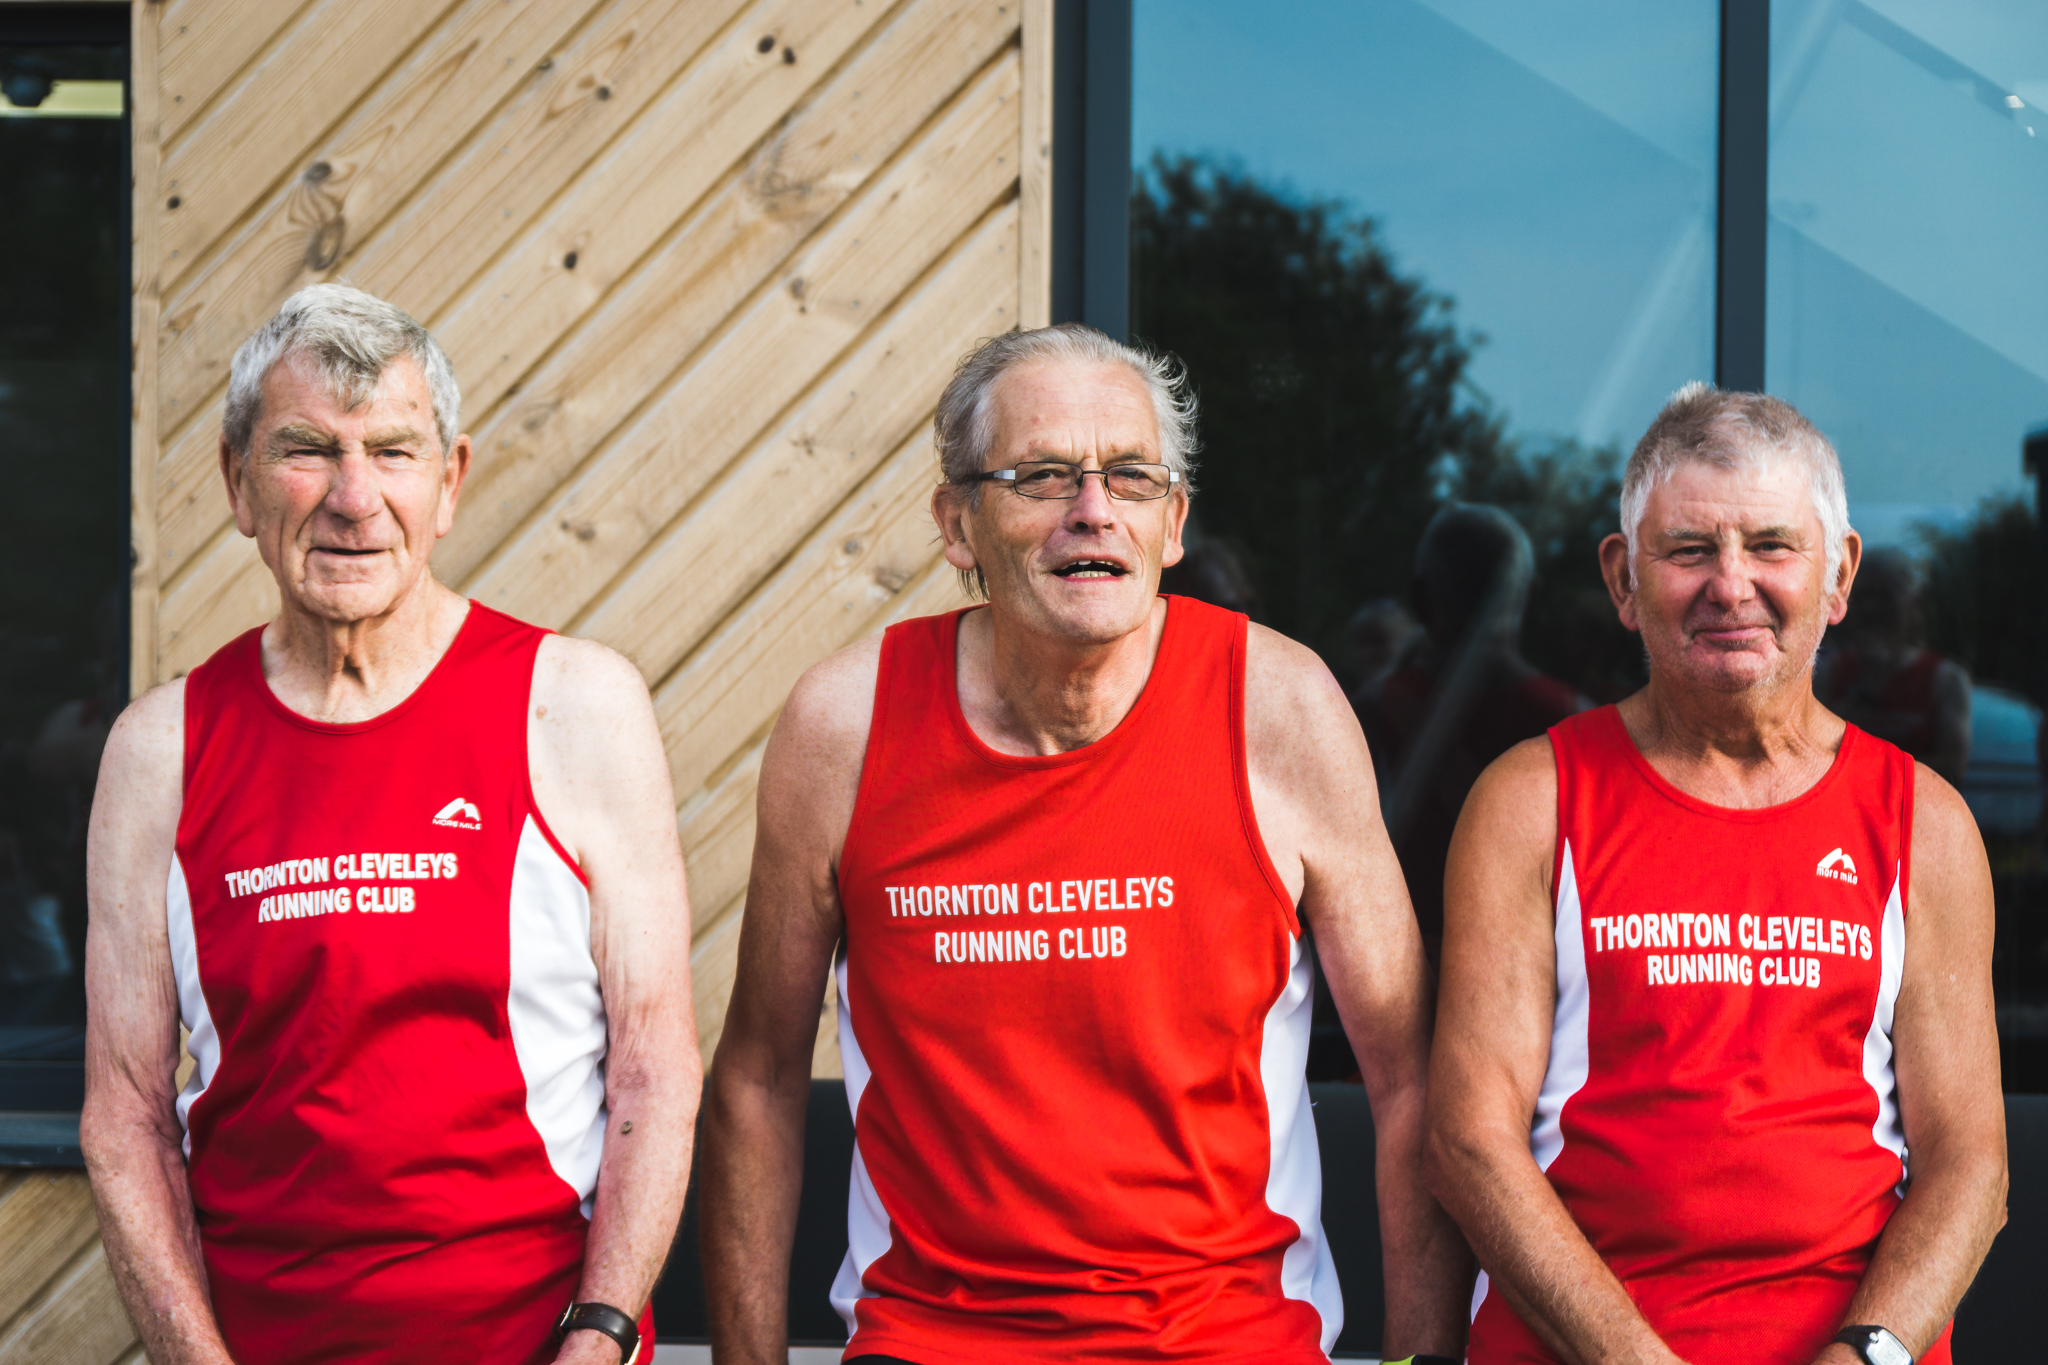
(64, 409)
(1433, 265)
(1908, 317)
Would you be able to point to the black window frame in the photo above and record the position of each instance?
(32, 1132)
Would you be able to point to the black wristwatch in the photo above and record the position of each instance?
(602, 1317)
(1875, 1345)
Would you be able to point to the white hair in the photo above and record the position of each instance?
(964, 427)
(1705, 425)
(350, 338)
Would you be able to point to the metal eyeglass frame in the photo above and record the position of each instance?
(1009, 476)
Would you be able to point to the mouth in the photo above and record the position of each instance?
(344, 551)
(1091, 568)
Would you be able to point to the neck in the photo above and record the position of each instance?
(1756, 747)
(1027, 693)
(344, 671)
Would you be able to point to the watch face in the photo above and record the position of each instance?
(1882, 1348)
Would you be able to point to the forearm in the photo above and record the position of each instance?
(151, 1235)
(650, 1132)
(750, 1183)
(1427, 1267)
(1931, 1247)
(1537, 1256)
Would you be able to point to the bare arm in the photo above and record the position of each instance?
(1499, 990)
(1945, 1041)
(601, 780)
(1318, 813)
(760, 1079)
(133, 1142)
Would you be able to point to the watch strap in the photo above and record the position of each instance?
(602, 1317)
(1874, 1344)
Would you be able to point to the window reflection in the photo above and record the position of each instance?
(64, 411)
(1432, 264)
(1906, 292)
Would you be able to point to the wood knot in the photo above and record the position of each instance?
(318, 172)
(323, 249)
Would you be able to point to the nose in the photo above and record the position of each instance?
(1732, 584)
(1092, 507)
(353, 494)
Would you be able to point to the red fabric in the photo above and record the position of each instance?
(1720, 1154)
(368, 1184)
(1072, 1150)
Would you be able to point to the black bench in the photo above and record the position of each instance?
(1996, 1322)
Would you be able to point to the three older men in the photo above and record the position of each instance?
(407, 870)
(1064, 847)
(1716, 1073)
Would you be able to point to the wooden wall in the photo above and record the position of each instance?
(702, 267)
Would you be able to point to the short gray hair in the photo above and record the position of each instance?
(965, 425)
(1729, 430)
(351, 338)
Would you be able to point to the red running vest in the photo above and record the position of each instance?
(1720, 1113)
(1074, 1013)
(383, 956)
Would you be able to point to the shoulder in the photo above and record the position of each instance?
(150, 730)
(1289, 689)
(568, 671)
(830, 708)
(1944, 831)
(1515, 799)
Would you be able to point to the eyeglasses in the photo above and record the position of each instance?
(1056, 480)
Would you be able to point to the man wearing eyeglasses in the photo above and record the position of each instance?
(1060, 851)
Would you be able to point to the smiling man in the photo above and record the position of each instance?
(407, 871)
(1716, 1075)
(1066, 846)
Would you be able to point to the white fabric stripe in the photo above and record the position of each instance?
(1877, 1044)
(557, 1012)
(1569, 1058)
(1294, 1175)
(867, 1222)
(204, 1043)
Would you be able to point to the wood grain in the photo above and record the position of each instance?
(46, 1218)
(735, 245)
(597, 522)
(207, 43)
(1034, 256)
(78, 1319)
(145, 138)
(350, 181)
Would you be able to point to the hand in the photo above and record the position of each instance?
(586, 1347)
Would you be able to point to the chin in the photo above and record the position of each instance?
(346, 603)
(1095, 617)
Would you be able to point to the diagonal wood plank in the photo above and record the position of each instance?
(879, 542)
(658, 318)
(713, 955)
(699, 570)
(46, 1218)
(635, 191)
(227, 592)
(206, 43)
(302, 85)
(78, 1320)
(589, 530)
(717, 830)
(353, 179)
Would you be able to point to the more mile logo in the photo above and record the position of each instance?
(460, 814)
(1837, 866)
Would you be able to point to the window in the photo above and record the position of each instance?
(1434, 265)
(64, 418)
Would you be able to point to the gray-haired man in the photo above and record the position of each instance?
(407, 871)
(1068, 843)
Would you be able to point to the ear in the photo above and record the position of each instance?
(1845, 578)
(1618, 574)
(233, 469)
(950, 510)
(1176, 528)
(454, 469)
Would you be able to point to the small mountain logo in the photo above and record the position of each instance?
(1837, 866)
(460, 814)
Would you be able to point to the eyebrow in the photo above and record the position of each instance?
(300, 434)
(1760, 533)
